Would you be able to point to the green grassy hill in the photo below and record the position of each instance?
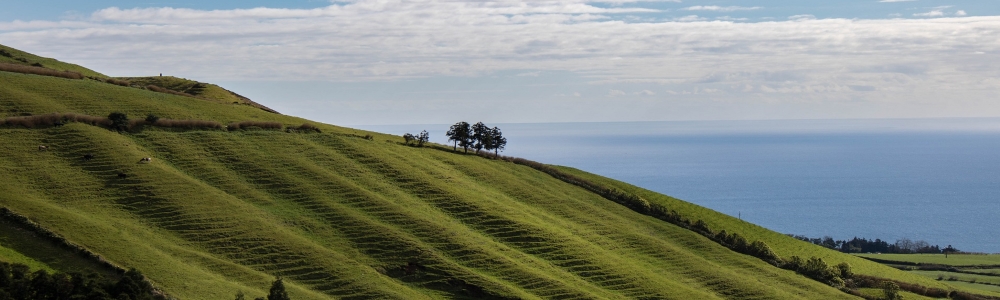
(338, 215)
(15, 56)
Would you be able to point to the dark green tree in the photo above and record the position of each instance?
(498, 142)
(134, 284)
(481, 136)
(407, 138)
(948, 250)
(890, 291)
(119, 121)
(277, 291)
(845, 270)
(423, 138)
(151, 118)
(461, 134)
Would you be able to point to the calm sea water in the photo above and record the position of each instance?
(936, 180)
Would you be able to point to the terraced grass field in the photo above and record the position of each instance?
(338, 215)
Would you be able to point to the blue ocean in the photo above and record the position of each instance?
(936, 180)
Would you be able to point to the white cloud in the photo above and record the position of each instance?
(960, 13)
(731, 19)
(691, 18)
(933, 13)
(389, 40)
(802, 17)
(720, 8)
(644, 93)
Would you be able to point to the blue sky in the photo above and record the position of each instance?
(760, 10)
(439, 61)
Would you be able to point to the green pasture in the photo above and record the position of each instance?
(983, 289)
(940, 259)
(985, 271)
(44, 61)
(873, 292)
(995, 280)
(340, 215)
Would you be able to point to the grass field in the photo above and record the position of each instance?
(986, 279)
(989, 290)
(985, 271)
(906, 295)
(25, 58)
(340, 216)
(940, 259)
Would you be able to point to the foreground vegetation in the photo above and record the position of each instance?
(342, 213)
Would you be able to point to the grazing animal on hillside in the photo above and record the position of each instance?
(88, 156)
(43, 148)
(122, 175)
(145, 160)
(57, 124)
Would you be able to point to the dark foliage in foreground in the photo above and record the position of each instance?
(17, 282)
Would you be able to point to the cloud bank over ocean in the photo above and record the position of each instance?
(618, 47)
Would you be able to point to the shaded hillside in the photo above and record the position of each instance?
(344, 213)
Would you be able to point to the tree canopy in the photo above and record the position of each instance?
(461, 134)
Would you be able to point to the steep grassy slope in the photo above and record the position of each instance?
(14, 56)
(341, 216)
(206, 91)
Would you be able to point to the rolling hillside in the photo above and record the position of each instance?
(344, 213)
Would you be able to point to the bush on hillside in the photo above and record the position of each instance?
(34, 70)
(53, 119)
(120, 82)
(277, 291)
(243, 125)
(304, 128)
(119, 121)
(188, 124)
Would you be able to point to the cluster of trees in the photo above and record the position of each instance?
(477, 136)
(18, 282)
(862, 245)
(419, 139)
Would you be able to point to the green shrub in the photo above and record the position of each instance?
(119, 121)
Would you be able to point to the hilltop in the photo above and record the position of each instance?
(344, 213)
